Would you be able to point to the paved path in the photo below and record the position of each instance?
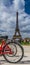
(24, 61)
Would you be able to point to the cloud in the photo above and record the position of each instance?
(8, 18)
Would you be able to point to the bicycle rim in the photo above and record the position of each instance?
(18, 56)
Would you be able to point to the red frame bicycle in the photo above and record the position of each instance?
(12, 51)
(3, 43)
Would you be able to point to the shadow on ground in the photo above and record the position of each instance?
(20, 62)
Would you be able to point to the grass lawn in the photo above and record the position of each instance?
(25, 43)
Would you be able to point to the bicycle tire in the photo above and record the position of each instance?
(21, 49)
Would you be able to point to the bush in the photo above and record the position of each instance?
(25, 43)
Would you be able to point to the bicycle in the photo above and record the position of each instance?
(12, 51)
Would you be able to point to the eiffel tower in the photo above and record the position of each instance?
(17, 36)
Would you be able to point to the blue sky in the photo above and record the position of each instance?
(8, 10)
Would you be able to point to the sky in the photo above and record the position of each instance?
(8, 9)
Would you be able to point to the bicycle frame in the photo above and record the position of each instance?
(6, 49)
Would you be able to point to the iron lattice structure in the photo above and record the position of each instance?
(15, 36)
